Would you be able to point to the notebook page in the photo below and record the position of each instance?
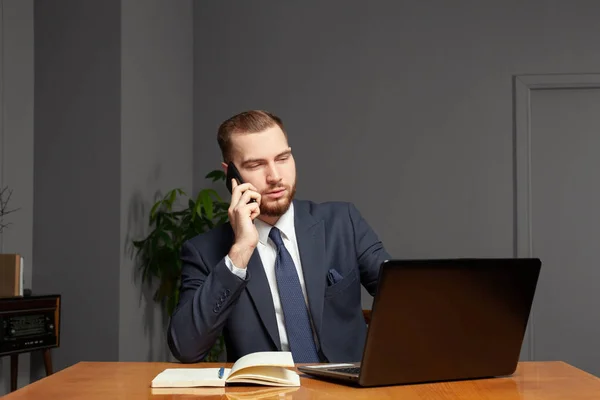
(276, 376)
(272, 358)
(190, 377)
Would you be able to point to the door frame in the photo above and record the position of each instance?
(523, 85)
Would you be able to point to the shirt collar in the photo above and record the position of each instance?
(285, 224)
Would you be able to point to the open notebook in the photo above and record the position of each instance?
(231, 393)
(268, 368)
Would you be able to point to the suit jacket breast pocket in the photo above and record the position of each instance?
(342, 284)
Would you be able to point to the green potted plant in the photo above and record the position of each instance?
(171, 224)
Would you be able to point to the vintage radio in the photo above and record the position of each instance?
(29, 323)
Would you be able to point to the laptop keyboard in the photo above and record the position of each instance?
(347, 370)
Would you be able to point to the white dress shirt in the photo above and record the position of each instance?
(268, 252)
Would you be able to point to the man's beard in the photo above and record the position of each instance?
(278, 207)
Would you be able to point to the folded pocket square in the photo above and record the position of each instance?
(333, 277)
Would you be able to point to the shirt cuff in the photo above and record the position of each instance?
(240, 272)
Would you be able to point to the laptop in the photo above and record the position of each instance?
(442, 320)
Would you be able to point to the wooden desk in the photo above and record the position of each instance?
(131, 381)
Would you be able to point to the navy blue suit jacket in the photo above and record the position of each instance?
(213, 300)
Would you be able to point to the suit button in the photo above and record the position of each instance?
(215, 310)
(227, 291)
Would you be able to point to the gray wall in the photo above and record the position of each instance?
(16, 142)
(156, 149)
(77, 172)
(404, 108)
(114, 129)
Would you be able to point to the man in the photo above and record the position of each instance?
(284, 274)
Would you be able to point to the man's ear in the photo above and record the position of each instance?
(224, 165)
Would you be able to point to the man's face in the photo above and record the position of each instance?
(265, 160)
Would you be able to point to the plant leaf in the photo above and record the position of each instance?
(154, 209)
(216, 175)
(157, 256)
(172, 198)
(207, 203)
(197, 211)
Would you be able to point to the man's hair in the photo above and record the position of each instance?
(252, 121)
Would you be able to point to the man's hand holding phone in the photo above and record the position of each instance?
(242, 212)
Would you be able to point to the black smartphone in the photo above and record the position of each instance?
(233, 173)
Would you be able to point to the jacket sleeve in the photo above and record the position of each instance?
(206, 298)
(370, 252)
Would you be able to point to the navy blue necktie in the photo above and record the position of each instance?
(295, 312)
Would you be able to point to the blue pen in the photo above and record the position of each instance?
(221, 371)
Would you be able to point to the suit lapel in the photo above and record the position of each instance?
(310, 235)
(258, 288)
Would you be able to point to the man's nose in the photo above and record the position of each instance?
(273, 174)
